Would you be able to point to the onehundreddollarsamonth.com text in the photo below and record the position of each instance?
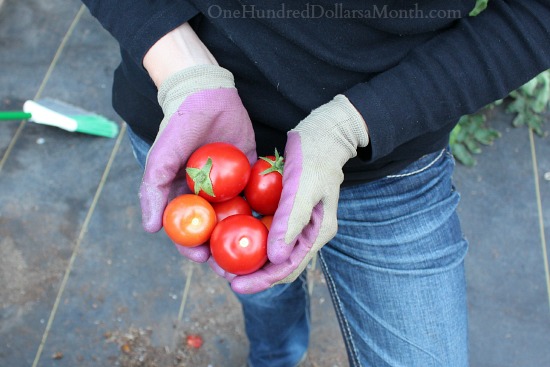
(335, 11)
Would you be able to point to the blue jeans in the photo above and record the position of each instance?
(395, 272)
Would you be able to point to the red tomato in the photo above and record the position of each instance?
(194, 341)
(263, 190)
(267, 220)
(189, 220)
(217, 171)
(239, 244)
(237, 205)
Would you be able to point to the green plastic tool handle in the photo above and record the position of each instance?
(14, 115)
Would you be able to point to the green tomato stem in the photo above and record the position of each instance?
(276, 165)
(201, 178)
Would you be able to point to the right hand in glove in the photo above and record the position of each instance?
(306, 218)
(200, 105)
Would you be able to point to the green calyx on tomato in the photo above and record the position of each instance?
(201, 178)
(263, 190)
(219, 168)
(276, 165)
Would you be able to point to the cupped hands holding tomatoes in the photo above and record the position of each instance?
(217, 214)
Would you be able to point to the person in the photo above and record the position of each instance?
(361, 96)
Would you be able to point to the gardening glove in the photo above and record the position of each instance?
(219, 271)
(305, 220)
(201, 106)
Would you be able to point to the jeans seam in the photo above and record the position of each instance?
(308, 307)
(421, 169)
(450, 155)
(303, 279)
(346, 331)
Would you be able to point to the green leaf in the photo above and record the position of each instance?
(472, 146)
(530, 87)
(539, 105)
(542, 99)
(454, 134)
(463, 156)
(518, 106)
(534, 121)
(486, 136)
(480, 6)
(469, 133)
(519, 120)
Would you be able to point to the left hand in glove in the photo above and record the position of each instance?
(306, 217)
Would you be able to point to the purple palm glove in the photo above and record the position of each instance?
(200, 105)
(316, 150)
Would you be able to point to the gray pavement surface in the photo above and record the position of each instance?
(82, 285)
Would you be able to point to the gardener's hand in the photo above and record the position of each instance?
(200, 105)
(316, 150)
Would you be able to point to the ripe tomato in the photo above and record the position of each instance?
(189, 220)
(236, 205)
(217, 171)
(239, 244)
(267, 220)
(194, 341)
(263, 190)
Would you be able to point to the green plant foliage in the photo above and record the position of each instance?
(480, 6)
(469, 134)
(529, 104)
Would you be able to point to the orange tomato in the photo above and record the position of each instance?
(267, 220)
(189, 220)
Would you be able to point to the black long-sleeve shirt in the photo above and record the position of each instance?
(411, 68)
